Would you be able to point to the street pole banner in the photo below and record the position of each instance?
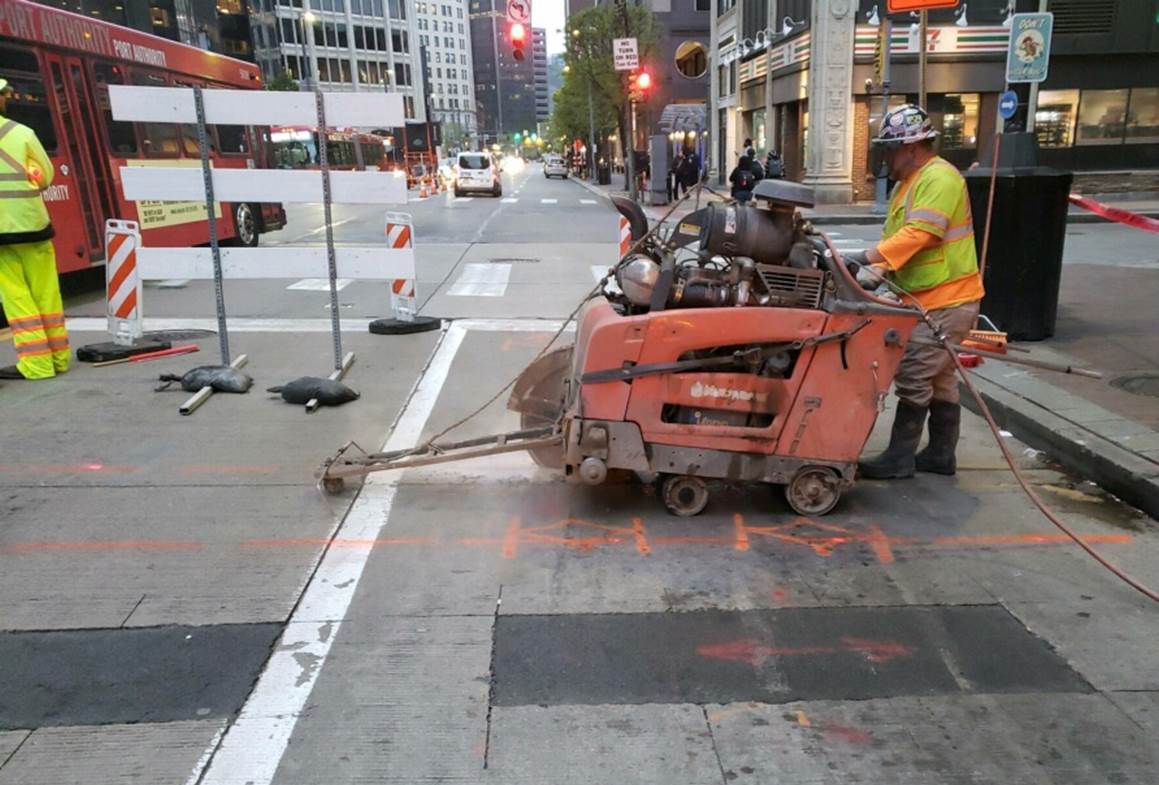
(625, 54)
(1028, 57)
(123, 281)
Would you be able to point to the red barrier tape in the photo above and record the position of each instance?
(1116, 214)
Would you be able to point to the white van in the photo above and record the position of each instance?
(477, 172)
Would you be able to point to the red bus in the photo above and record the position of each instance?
(296, 147)
(60, 65)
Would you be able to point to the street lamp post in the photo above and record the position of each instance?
(307, 19)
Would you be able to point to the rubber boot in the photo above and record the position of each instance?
(897, 462)
(938, 456)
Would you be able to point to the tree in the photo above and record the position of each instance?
(283, 81)
(589, 65)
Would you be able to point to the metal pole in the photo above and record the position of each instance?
(324, 164)
(633, 193)
(881, 186)
(211, 216)
(591, 135)
(1032, 102)
(923, 35)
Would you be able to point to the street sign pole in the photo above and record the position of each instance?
(881, 186)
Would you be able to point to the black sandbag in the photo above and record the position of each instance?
(328, 392)
(222, 378)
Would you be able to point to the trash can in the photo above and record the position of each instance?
(604, 174)
(1024, 264)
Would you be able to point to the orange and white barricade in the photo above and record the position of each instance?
(625, 237)
(400, 236)
(123, 281)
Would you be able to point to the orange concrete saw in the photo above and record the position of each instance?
(743, 353)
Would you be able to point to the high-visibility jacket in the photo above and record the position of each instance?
(934, 200)
(25, 171)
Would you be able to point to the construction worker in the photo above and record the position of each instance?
(29, 288)
(927, 250)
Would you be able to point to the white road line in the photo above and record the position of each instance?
(457, 199)
(254, 746)
(172, 283)
(548, 201)
(588, 201)
(481, 280)
(199, 767)
(833, 234)
(319, 284)
(510, 200)
(90, 324)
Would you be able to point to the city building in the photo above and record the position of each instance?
(1097, 113)
(217, 25)
(444, 32)
(505, 93)
(344, 45)
(539, 72)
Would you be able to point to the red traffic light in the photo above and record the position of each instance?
(644, 80)
(518, 38)
(518, 32)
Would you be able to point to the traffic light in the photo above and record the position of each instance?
(640, 86)
(518, 41)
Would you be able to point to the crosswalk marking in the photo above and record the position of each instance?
(510, 200)
(548, 201)
(588, 201)
(481, 280)
(462, 199)
(319, 284)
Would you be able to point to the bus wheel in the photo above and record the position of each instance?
(246, 222)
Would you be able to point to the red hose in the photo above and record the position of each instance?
(989, 417)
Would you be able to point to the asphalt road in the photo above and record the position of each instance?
(180, 604)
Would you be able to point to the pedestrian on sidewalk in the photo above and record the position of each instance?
(29, 286)
(743, 180)
(927, 250)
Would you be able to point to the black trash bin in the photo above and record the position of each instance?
(1024, 267)
(604, 175)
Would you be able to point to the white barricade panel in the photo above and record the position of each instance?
(369, 263)
(255, 107)
(166, 183)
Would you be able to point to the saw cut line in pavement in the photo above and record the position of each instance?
(147, 674)
(771, 656)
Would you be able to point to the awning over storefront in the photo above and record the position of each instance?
(683, 117)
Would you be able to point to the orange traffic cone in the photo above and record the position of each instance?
(423, 194)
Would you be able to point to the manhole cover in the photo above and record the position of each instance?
(1139, 384)
(179, 335)
(511, 260)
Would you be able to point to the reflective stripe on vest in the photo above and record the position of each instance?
(23, 208)
(944, 211)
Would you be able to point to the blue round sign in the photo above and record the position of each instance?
(1008, 104)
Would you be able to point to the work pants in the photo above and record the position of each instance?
(30, 291)
(927, 373)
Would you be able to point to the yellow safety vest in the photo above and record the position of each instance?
(22, 210)
(934, 200)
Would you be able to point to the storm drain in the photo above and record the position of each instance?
(154, 674)
(1138, 384)
(773, 656)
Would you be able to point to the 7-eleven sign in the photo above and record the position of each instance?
(900, 6)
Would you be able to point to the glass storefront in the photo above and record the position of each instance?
(1066, 118)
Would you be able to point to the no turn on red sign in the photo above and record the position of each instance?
(625, 54)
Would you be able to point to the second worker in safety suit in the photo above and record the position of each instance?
(927, 250)
(29, 286)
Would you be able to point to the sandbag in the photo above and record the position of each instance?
(222, 378)
(328, 392)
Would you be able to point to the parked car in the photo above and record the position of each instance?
(477, 172)
(554, 166)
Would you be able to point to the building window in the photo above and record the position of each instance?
(691, 59)
(960, 121)
(1143, 115)
(1102, 117)
(1054, 117)
(722, 6)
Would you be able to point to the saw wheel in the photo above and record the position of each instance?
(540, 397)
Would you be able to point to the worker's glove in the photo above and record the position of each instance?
(869, 277)
(854, 261)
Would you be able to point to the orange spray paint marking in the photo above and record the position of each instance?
(756, 653)
(845, 733)
(779, 596)
(803, 719)
(511, 539)
(66, 468)
(742, 535)
(1026, 539)
(880, 544)
(642, 545)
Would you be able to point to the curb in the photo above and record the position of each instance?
(589, 187)
(1131, 478)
